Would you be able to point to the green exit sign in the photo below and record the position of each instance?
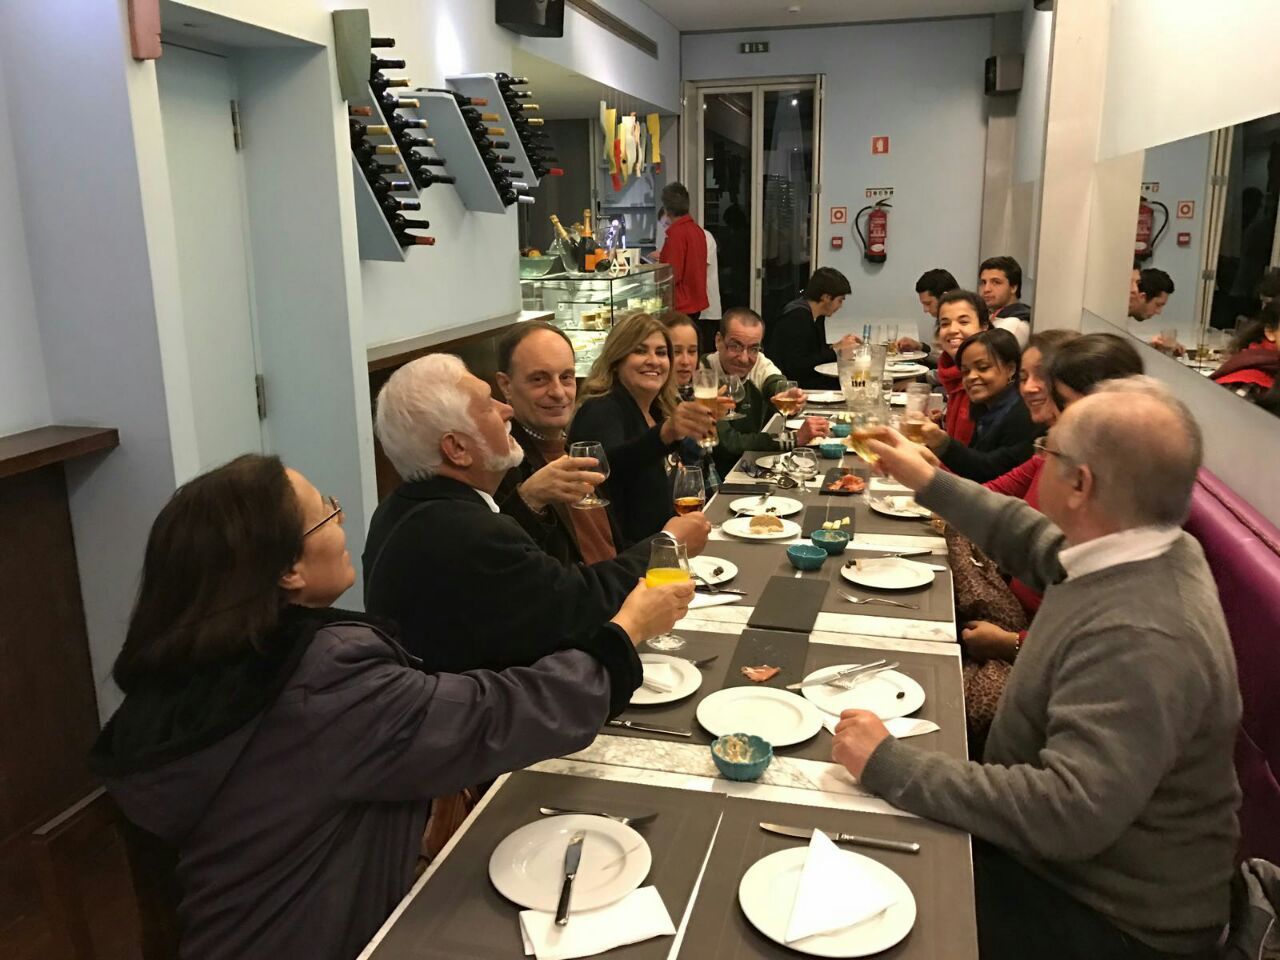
(758, 46)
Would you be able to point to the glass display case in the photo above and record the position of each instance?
(587, 305)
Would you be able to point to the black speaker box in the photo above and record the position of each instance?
(533, 18)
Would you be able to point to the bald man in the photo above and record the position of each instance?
(1107, 795)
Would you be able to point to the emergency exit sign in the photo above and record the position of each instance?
(755, 46)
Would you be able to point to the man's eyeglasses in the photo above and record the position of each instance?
(1041, 446)
(733, 346)
(335, 506)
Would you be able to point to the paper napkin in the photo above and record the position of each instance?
(712, 600)
(659, 677)
(900, 727)
(834, 892)
(640, 915)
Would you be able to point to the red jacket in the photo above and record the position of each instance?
(1023, 482)
(685, 250)
(959, 423)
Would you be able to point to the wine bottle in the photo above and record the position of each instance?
(379, 85)
(399, 223)
(526, 198)
(498, 145)
(400, 124)
(377, 42)
(413, 240)
(360, 111)
(367, 151)
(373, 170)
(376, 63)
(561, 233)
(397, 103)
(383, 188)
(360, 130)
(398, 205)
(462, 101)
(471, 113)
(418, 161)
(426, 178)
(415, 143)
(586, 244)
(493, 159)
(527, 121)
(518, 108)
(506, 81)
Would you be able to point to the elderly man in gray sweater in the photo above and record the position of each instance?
(1107, 795)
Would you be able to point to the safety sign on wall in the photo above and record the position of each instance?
(879, 146)
(839, 214)
(1186, 209)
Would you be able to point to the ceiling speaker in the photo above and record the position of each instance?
(1043, 4)
(532, 18)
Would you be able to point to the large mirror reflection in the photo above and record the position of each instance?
(1205, 284)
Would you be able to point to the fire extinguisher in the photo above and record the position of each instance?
(876, 242)
(1148, 236)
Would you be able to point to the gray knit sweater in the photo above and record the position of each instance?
(1108, 770)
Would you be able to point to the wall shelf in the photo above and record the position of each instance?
(485, 85)
(377, 240)
(33, 449)
(456, 146)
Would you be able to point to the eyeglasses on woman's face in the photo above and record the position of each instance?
(335, 511)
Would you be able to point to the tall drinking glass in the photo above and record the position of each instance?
(591, 448)
(706, 393)
(668, 563)
(917, 412)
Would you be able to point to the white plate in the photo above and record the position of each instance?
(824, 396)
(706, 567)
(681, 675)
(879, 694)
(828, 369)
(741, 527)
(778, 716)
(905, 507)
(528, 865)
(768, 890)
(899, 370)
(770, 462)
(898, 399)
(909, 355)
(888, 573)
(795, 424)
(774, 506)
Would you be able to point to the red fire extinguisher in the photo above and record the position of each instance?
(875, 245)
(1148, 235)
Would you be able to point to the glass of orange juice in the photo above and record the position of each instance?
(668, 563)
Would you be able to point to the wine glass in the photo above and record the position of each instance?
(787, 404)
(688, 490)
(668, 563)
(736, 391)
(866, 420)
(591, 448)
(706, 393)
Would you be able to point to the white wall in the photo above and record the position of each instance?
(24, 395)
(1182, 170)
(919, 83)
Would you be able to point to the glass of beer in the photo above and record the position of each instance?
(866, 423)
(591, 448)
(706, 393)
(689, 491)
(917, 412)
(668, 563)
(787, 403)
(735, 390)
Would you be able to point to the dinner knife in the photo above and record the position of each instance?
(572, 857)
(901, 846)
(840, 675)
(649, 728)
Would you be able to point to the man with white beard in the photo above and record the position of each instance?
(469, 588)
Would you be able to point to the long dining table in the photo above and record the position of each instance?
(706, 833)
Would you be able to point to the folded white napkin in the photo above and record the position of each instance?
(659, 677)
(900, 727)
(640, 915)
(712, 600)
(834, 892)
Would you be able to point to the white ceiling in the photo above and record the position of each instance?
(563, 94)
(739, 14)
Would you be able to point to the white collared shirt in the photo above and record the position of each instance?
(492, 503)
(761, 370)
(1127, 546)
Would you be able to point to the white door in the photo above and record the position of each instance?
(206, 180)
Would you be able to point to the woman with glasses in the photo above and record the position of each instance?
(287, 752)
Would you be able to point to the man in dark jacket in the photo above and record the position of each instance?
(797, 340)
(1000, 286)
(468, 586)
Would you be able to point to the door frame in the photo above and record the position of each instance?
(693, 164)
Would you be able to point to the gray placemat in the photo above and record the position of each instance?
(940, 877)
(869, 521)
(755, 564)
(458, 915)
(680, 714)
(832, 508)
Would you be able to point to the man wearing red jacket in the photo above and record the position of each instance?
(685, 249)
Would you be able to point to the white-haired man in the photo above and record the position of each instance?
(468, 586)
(1107, 795)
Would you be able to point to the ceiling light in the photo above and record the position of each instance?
(794, 8)
(795, 102)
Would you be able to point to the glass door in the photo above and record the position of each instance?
(753, 152)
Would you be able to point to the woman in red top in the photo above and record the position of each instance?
(960, 315)
(1250, 369)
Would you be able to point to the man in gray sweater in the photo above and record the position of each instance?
(1107, 795)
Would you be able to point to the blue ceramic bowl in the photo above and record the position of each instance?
(841, 429)
(805, 556)
(832, 541)
(750, 755)
(832, 451)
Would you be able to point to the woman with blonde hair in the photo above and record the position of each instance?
(629, 404)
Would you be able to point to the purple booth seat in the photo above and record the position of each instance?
(1243, 550)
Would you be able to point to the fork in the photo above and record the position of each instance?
(702, 662)
(625, 821)
(892, 603)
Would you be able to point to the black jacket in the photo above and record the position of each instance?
(797, 342)
(471, 590)
(637, 488)
(1002, 438)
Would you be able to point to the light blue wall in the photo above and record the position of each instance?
(919, 83)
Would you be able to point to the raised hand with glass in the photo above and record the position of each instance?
(591, 448)
(668, 563)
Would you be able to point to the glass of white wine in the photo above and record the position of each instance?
(866, 421)
(668, 563)
(706, 393)
(786, 400)
(591, 448)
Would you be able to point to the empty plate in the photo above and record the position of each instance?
(776, 506)
(741, 527)
(824, 396)
(828, 369)
(878, 693)
(713, 570)
(677, 673)
(898, 370)
(888, 573)
(767, 893)
(527, 867)
(778, 716)
(904, 507)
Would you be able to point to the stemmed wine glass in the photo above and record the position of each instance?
(736, 391)
(595, 449)
(668, 563)
(688, 490)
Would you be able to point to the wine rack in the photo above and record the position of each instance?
(476, 188)
(523, 142)
(378, 241)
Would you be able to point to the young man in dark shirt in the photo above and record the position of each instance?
(1000, 286)
(797, 340)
